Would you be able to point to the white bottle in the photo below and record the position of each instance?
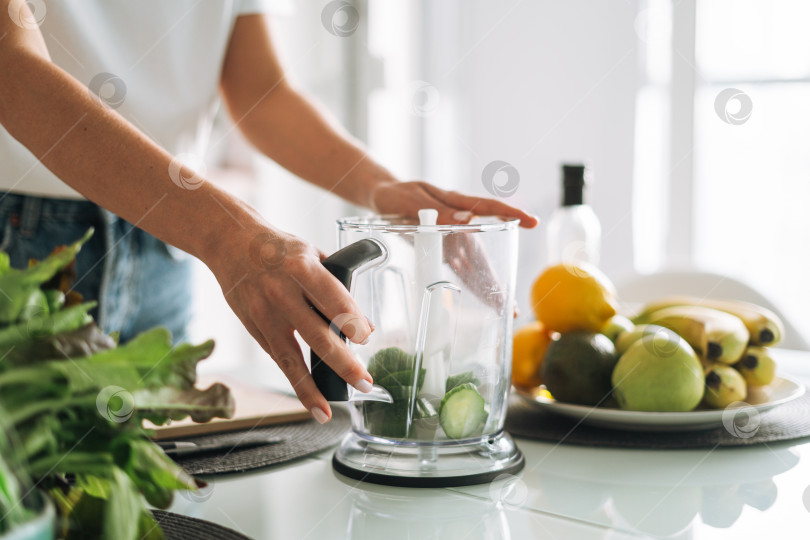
(573, 232)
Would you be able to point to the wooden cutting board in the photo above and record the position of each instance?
(254, 407)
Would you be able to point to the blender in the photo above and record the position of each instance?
(441, 298)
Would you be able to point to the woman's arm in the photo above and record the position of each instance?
(101, 155)
(285, 125)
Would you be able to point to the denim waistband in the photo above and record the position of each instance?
(137, 283)
(31, 208)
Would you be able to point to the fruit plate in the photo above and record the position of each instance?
(782, 390)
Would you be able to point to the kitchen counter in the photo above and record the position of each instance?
(564, 492)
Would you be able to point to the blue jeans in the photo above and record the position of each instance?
(137, 282)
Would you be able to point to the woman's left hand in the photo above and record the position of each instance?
(469, 261)
(407, 198)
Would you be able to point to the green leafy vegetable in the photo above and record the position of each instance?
(390, 360)
(11, 509)
(83, 341)
(39, 326)
(459, 379)
(394, 369)
(76, 400)
(16, 286)
(5, 263)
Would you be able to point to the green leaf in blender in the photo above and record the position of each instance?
(463, 412)
(393, 369)
(459, 379)
(401, 379)
(389, 360)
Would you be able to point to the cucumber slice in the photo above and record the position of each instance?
(462, 412)
(424, 409)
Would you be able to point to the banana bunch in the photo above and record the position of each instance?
(730, 337)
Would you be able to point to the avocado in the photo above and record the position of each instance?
(577, 368)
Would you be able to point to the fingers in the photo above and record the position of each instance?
(335, 303)
(274, 301)
(461, 203)
(290, 360)
(330, 348)
(287, 354)
(454, 216)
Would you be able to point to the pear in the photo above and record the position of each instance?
(661, 374)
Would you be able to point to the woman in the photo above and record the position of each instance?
(100, 100)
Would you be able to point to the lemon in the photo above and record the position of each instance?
(528, 348)
(573, 296)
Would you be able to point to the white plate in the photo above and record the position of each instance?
(781, 390)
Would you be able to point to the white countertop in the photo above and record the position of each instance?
(564, 492)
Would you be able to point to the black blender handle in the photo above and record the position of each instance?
(342, 264)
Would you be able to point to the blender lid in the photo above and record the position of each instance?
(406, 224)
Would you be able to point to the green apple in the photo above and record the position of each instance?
(646, 331)
(615, 326)
(660, 373)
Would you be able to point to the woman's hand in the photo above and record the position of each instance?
(407, 198)
(272, 280)
(462, 252)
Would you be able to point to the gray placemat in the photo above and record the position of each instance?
(301, 439)
(179, 527)
(783, 423)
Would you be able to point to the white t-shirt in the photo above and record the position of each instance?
(156, 62)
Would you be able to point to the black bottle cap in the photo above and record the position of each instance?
(573, 184)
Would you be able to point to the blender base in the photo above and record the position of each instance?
(429, 466)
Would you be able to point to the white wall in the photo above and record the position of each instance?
(315, 62)
(536, 84)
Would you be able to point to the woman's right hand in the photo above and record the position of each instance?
(272, 280)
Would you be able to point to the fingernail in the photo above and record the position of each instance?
(365, 341)
(319, 415)
(364, 386)
(462, 215)
(370, 324)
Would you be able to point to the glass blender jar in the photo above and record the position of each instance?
(441, 298)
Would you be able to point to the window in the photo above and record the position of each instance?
(751, 160)
(721, 166)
